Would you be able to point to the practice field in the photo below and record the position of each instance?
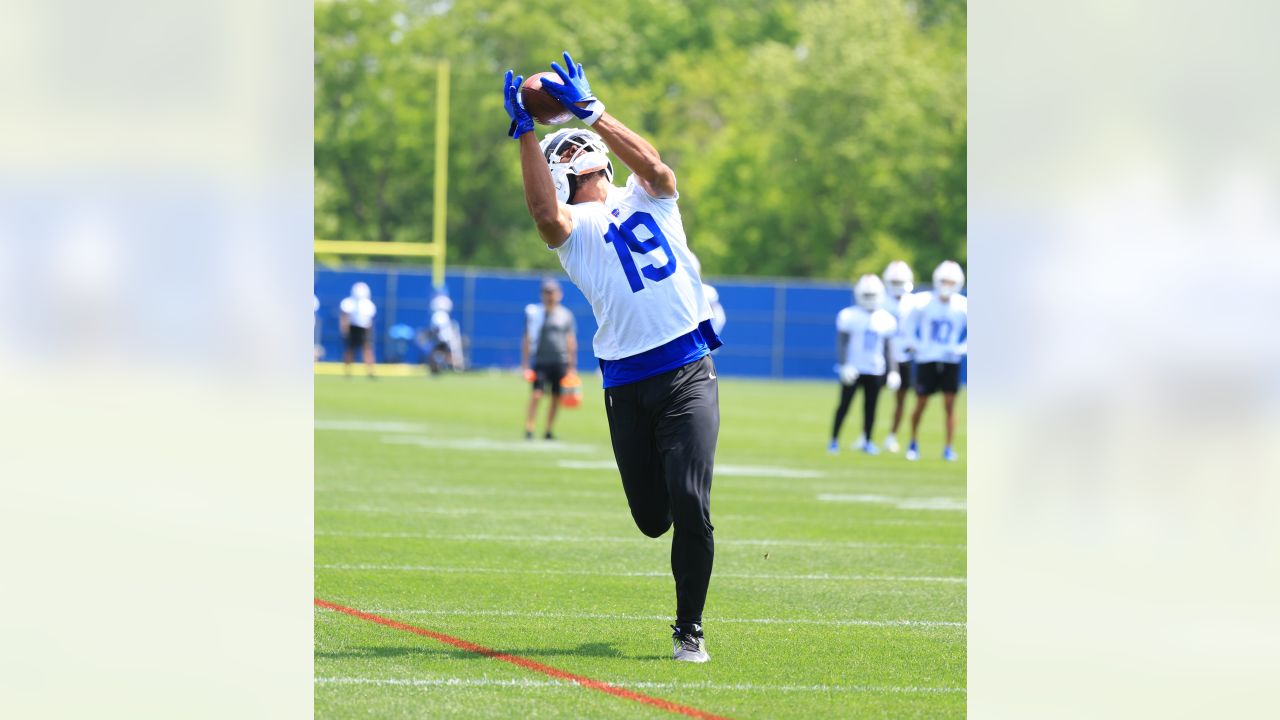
(838, 591)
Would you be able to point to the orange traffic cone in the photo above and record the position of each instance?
(571, 390)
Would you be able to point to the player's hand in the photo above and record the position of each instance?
(575, 90)
(894, 381)
(521, 120)
(848, 374)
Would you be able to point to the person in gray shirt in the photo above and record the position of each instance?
(548, 352)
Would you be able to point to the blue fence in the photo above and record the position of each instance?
(775, 328)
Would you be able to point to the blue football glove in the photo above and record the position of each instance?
(574, 90)
(521, 120)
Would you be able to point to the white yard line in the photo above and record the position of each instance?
(902, 503)
(370, 426)
(638, 685)
(469, 511)
(432, 490)
(612, 515)
(720, 470)
(487, 445)
(485, 537)
(472, 491)
(661, 618)
(596, 573)
(589, 494)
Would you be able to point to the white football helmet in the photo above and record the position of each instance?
(869, 292)
(948, 279)
(441, 302)
(360, 291)
(898, 278)
(572, 152)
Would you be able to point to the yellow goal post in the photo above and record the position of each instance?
(436, 248)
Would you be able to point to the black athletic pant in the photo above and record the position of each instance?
(870, 385)
(664, 432)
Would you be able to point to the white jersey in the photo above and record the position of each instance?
(868, 332)
(939, 331)
(442, 325)
(900, 309)
(629, 256)
(360, 311)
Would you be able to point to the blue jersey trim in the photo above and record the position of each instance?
(687, 348)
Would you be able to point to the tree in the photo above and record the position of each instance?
(817, 138)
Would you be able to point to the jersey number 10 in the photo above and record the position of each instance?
(625, 243)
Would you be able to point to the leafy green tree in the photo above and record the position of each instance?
(815, 138)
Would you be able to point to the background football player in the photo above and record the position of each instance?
(938, 328)
(625, 249)
(862, 338)
(548, 352)
(898, 282)
(356, 324)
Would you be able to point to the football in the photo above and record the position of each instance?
(539, 103)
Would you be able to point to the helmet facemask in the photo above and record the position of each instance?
(571, 154)
(869, 292)
(898, 279)
(948, 279)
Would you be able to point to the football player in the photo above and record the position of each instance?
(898, 280)
(625, 249)
(548, 352)
(862, 339)
(356, 324)
(938, 328)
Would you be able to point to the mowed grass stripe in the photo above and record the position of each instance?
(649, 618)
(601, 573)
(641, 596)
(637, 684)
(593, 539)
(642, 555)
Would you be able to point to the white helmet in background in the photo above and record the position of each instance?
(869, 292)
(360, 291)
(440, 302)
(898, 279)
(712, 295)
(572, 152)
(948, 279)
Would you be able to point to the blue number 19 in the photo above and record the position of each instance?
(625, 242)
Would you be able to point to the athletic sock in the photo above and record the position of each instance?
(689, 628)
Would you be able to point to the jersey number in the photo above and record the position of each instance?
(625, 243)
(940, 331)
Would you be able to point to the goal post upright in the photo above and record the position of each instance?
(442, 172)
(436, 248)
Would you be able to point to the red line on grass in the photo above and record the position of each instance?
(524, 662)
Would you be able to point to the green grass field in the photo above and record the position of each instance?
(838, 589)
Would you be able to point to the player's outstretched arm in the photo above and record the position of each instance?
(553, 219)
(634, 151)
(639, 155)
